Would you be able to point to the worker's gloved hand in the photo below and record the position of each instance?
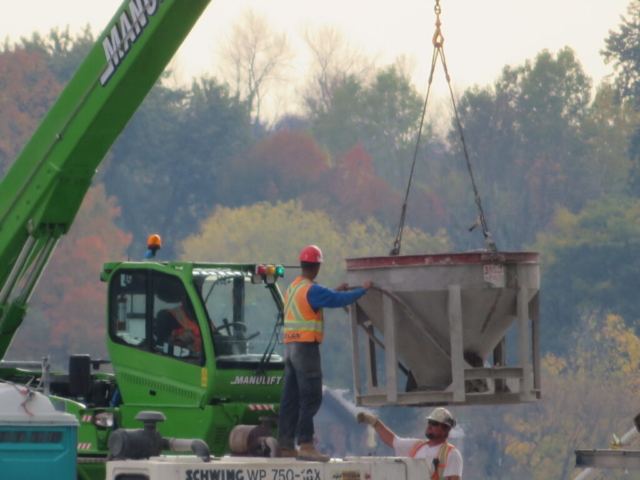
(368, 418)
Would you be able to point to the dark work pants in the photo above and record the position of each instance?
(302, 393)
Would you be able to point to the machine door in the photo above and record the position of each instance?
(151, 311)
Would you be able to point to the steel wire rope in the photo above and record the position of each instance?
(491, 246)
(438, 51)
(398, 241)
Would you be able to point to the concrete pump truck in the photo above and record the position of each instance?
(231, 372)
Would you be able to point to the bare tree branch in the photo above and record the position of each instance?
(254, 55)
(333, 61)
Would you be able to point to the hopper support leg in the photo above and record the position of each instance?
(355, 364)
(457, 349)
(391, 358)
(534, 312)
(524, 344)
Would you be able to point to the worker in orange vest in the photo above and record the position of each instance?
(444, 460)
(188, 333)
(303, 333)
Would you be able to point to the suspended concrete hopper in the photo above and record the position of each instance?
(440, 323)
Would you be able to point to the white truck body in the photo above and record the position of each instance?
(251, 468)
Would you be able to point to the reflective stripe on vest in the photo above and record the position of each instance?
(443, 455)
(186, 325)
(301, 322)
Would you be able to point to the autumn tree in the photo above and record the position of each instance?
(276, 233)
(63, 51)
(579, 388)
(599, 372)
(358, 192)
(283, 166)
(253, 56)
(69, 305)
(27, 91)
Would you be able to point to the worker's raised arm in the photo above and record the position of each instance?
(322, 297)
(385, 434)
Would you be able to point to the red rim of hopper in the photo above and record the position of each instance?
(443, 259)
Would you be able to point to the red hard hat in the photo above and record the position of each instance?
(311, 254)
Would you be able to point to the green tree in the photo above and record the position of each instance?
(622, 48)
(383, 115)
(527, 148)
(590, 264)
(168, 163)
(609, 126)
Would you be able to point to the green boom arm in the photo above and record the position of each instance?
(42, 192)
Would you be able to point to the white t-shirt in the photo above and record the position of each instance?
(404, 447)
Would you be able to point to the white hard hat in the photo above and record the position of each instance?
(442, 415)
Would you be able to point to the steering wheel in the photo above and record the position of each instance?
(227, 326)
(243, 327)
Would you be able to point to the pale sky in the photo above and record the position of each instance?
(480, 36)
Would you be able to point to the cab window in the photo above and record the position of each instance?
(128, 298)
(152, 311)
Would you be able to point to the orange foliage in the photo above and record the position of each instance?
(27, 90)
(70, 298)
(358, 190)
(282, 167)
(426, 210)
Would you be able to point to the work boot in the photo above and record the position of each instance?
(308, 452)
(288, 452)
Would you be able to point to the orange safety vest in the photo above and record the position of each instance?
(443, 455)
(187, 325)
(301, 322)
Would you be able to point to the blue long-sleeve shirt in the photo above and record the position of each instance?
(322, 297)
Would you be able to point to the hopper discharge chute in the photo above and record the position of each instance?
(440, 321)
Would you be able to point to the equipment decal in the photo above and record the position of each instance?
(253, 474)
(124, 33)
(346, 475)
(256, 380)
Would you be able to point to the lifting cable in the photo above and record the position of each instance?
(438, 52)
